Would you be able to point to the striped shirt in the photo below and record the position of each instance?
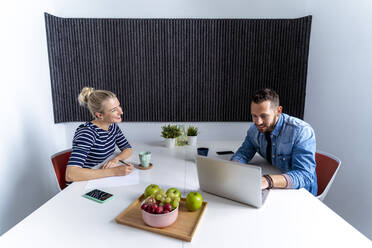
(92, 145)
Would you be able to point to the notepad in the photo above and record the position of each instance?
(109, 182)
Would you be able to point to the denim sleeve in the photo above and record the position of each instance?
(303, 159)
(246, 152)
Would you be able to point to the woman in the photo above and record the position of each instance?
(95, 141)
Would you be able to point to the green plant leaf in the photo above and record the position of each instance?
(192, 131)
(170, 131)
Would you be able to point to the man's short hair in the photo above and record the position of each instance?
(266, 95)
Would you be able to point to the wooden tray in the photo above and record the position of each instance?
(183, 228)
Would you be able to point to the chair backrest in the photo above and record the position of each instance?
(60, 161)
(327, 167)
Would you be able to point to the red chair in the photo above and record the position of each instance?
(60, 161)
(327, 167)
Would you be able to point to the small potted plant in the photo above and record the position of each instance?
(170, 133)
(192, 134)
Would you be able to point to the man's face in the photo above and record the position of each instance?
(265, 116)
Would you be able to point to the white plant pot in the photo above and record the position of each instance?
(191, 140)
(170, 143)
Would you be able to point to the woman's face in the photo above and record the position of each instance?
(111, 111)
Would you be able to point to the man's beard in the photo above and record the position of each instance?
(271, 127)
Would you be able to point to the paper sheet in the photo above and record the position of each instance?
(108, 182)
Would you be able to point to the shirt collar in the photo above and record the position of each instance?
(278, 126)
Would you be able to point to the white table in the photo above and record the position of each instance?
(289, 218)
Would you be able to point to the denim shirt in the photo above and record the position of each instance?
(293, 151)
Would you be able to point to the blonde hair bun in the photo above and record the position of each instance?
(84, 95)
(94, 99)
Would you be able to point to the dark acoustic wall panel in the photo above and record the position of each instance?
(178, 69)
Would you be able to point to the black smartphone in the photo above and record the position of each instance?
(98, 195)
(225, 152)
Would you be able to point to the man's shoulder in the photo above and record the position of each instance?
(294, 122)
(297, 128)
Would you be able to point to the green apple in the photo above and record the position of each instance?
(173, 192)
(171, 195)
(194, 201)
(151, 189)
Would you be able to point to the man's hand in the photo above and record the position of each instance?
(123, 170)
(264, 183)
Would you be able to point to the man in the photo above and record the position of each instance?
(286, 142)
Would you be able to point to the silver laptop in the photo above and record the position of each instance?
(232, 180)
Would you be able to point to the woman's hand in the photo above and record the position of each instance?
(110, 163)
(123, 170)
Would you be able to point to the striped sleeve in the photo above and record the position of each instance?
(121, 141)
(81, 145)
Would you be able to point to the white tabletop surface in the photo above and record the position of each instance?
(289, 218)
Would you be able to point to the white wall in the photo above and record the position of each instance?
(26, 175)
(338, 102)
(179, 8)
(29, 136)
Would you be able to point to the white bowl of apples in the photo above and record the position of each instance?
(160, 210)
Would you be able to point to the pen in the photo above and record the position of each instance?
(122, 161)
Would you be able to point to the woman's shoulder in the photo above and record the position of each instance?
(115, 127)
(86, 128)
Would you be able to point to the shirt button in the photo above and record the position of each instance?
(273, 144)
(283, 158)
